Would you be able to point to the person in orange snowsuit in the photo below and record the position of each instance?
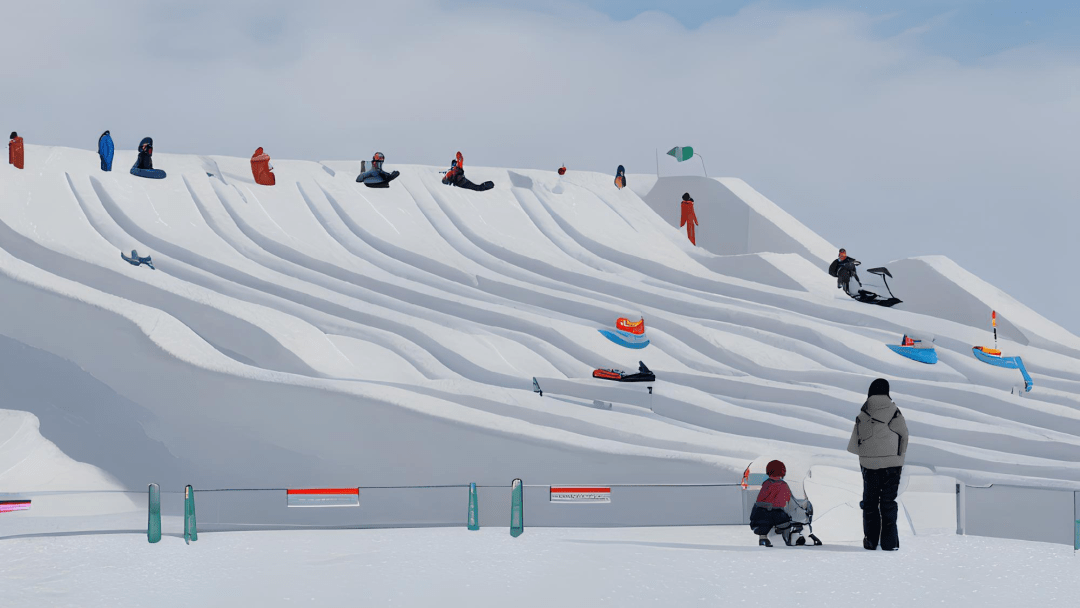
(261, 169)
(15, 150)
(689, 218)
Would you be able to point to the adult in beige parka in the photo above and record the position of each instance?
(880, 439)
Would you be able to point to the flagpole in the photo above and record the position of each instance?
(657, 150)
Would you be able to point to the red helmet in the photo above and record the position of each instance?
(378, 157)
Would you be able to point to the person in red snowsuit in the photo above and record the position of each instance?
(261, 169)
(15, 150)
(689, 218)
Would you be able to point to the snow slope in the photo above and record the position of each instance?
(319, 332)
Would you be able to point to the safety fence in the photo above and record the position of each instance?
(1019, 512)
(998, 510)
(231, 509)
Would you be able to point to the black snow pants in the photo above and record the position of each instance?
(463, 182)
(879, 507)
(763, 520)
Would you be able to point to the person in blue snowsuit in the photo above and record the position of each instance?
(144, 165)
(105, 150)
(376, 177)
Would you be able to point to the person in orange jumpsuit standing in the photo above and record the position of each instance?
(689, 218)
(261, 169)
(15, 150)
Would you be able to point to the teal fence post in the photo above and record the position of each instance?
(474, 508)
(190, 532)
(517, 518)
(153, 524)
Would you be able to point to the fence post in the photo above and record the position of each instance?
(153, 524)
(961, 507)
(190, 532)
(474, 508)
(517, 518)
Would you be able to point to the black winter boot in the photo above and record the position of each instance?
(866, 544)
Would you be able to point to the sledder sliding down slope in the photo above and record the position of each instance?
(847, 278)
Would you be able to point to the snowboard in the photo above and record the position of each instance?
(620, 178)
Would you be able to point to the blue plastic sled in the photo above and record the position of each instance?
(1006, 362)
(625, 338)
(148, 173)
(922, 355)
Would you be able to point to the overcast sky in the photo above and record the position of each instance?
(947, 127)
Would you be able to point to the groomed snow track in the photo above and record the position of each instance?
(319, 332)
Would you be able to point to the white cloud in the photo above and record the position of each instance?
(878, 144)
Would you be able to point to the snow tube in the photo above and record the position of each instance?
(261, 169)
(633, 327)
(922, 355)
(993, 357)
(148, 173)
(625, 339)
(377, 178)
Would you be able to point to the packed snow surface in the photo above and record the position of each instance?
(320, 332)
(693, 566)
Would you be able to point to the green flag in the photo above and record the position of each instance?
(681, 153)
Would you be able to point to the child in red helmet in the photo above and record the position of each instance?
(771, 508)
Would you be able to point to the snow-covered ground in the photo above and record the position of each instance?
(693, 566)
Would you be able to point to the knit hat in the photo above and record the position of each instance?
(775, 469)
(13, 135)
(878, 387)
(686, 196)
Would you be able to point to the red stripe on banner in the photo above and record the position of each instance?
(8, 506)
(594, 490)
(326, 491)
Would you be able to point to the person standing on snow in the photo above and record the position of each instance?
(455, 176)
(880, 439)
(105, 150)
(15, 150)
(689, 218)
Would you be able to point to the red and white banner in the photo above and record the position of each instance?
(579, 494)
(7, 506)
(323, 497)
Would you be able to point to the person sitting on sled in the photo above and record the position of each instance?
(843, 268)
(455, 176)
(773, 506)
(376, 177)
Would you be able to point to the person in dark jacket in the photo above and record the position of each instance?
(376, 177)
(455, 176)
(880, 438)
(771, 508)
(146, 150)
(105, 150)
(144, 164)
(843, 268)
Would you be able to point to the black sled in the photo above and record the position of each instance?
(848, 280)
(643, 374)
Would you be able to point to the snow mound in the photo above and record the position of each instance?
(320, 332)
